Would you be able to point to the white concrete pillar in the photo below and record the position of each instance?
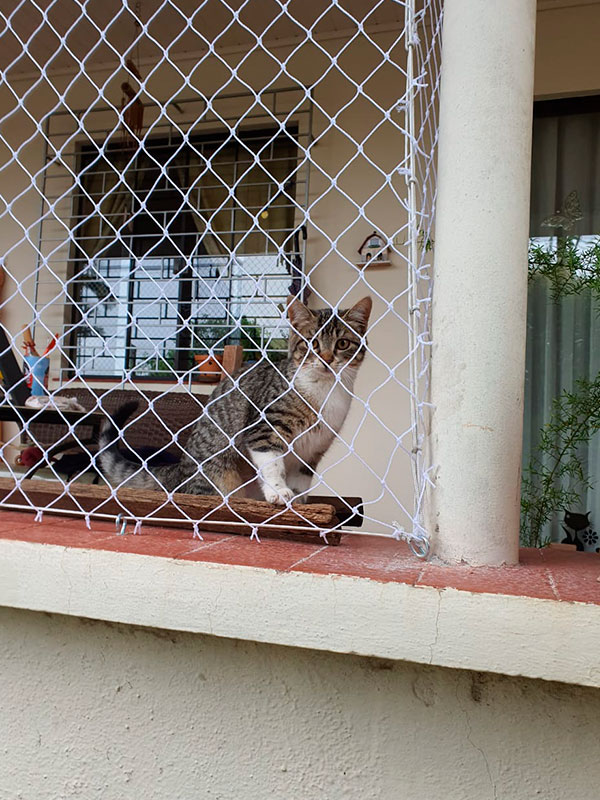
(480, 290)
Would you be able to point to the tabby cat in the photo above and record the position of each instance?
(269, 424)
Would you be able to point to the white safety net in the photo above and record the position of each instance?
(180, 182)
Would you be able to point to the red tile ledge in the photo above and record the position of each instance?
(555, 573)
(366, 597)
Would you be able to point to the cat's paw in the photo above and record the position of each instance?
(279, 497)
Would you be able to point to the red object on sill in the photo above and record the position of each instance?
(29, 457)
(553, 574)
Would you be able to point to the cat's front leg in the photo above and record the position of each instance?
(270, 467)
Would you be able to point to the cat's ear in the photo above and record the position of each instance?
(299, 315)
(358, 315)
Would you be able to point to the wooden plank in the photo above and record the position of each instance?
(343, 508)
(205, 509)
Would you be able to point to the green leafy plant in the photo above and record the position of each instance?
(164, 368)
(557, 465)
(570, 266)
(210, 332)
(217, 333)
(554, 478)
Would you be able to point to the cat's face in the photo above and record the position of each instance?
(322, 343)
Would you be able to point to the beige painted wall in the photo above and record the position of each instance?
(387, 421)
(567, 61)
(97, 711)
(93, 710)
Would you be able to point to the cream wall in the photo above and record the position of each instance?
(567, 61)
(375, 449)
(96, 710)
(108, 711)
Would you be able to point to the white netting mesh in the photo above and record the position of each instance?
(171, 172)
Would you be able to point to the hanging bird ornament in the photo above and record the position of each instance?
(132, 107)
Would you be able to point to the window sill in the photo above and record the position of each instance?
(198, 387)
(367, 596)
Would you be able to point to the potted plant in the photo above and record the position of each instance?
(209, 368)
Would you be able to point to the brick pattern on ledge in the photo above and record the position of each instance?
(555, 573)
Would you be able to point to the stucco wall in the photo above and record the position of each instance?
(93, 710)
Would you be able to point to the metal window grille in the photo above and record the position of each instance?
(172, 171)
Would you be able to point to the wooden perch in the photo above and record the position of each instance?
(343, 508)
(207, 510)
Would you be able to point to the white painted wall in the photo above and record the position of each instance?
(95, 710)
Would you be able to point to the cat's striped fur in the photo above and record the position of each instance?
(264, 431)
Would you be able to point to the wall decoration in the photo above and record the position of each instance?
(374, 251)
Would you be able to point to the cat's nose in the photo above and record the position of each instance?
(327, 356)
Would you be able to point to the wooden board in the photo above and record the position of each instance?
(205, 509)
(343, 508)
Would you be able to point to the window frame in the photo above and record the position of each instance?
(172, 143)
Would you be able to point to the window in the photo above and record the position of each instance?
(181, 247)
(561, 335)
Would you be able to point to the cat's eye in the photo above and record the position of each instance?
(315, 346)
(342, 344)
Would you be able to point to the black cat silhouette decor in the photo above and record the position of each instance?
(579, 531)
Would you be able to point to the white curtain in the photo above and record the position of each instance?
(562, 347)
(563, 336)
